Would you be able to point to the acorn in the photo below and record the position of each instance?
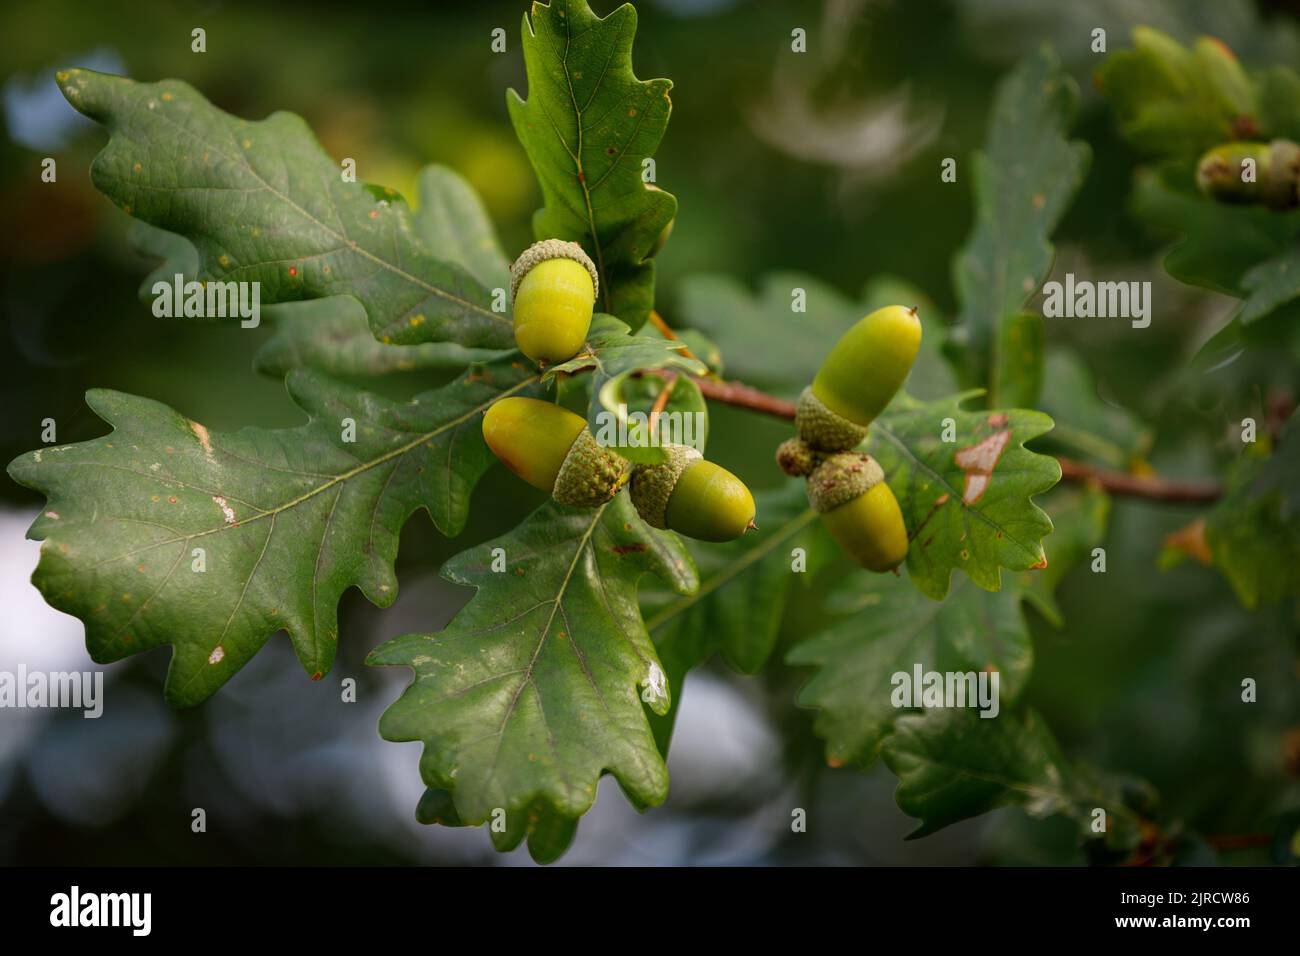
(692, 496)
(1220, 171)
(553, 285)
(858, 378)
(859, 510)
(551, 448)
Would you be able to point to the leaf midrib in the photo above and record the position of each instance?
(348, 244)
(337, 479)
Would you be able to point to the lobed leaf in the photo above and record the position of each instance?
(1025, 180)
(588, 126)
(891, 628)
(286, 519)
(967, 502)
(261, 201)
(536, 687)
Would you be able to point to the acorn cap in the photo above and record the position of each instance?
(590, 475)
(652, 485)
(796, 457)
(824, 429)
(1282, 175)
(551, 249)
(841, 478)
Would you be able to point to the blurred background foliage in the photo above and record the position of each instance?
(825, 164)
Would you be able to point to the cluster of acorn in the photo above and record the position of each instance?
(858, 378)
(1266, 174)
(553, 285)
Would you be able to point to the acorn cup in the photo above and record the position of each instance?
(551, 448)
(849, 491)
(858, 378)
(692, 496)
(553, 286)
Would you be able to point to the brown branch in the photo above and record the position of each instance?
(1118, 483)
(743, 396)
(1137, 486)
(1239, 841)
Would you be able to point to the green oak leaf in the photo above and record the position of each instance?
(333, 335)
(287, 519)
(1025, 180)
(176, 254)
(770, 345)
(967, 502)
(614, 354)
(953, 764)
(1254, 532)
(261, 201)
(891, 627)
(1080, 518)
(744, 588)
(1279, 102)
(1219, 243)
(1171, 100)
(1084, 423)
(454, 226)
(539, 685)
(588, 126)
(1270, 285)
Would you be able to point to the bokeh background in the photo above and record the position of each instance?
(826, 164)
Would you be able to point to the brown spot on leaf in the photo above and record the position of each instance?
(636, 548)
(978, 461)
(317, 676)
(1042, 563)
(999, 420)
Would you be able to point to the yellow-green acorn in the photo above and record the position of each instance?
(693, 496)
(553, 285)
(849, 491)
(550, 448)
(858, 378)
(1265, 173)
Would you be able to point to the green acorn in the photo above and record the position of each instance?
(693, 496)
(551, 449)
(858, 378)
(859, 510)
(553, 285)
(1220, 172)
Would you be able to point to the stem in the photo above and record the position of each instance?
(1117, 483)
(1133, 486)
